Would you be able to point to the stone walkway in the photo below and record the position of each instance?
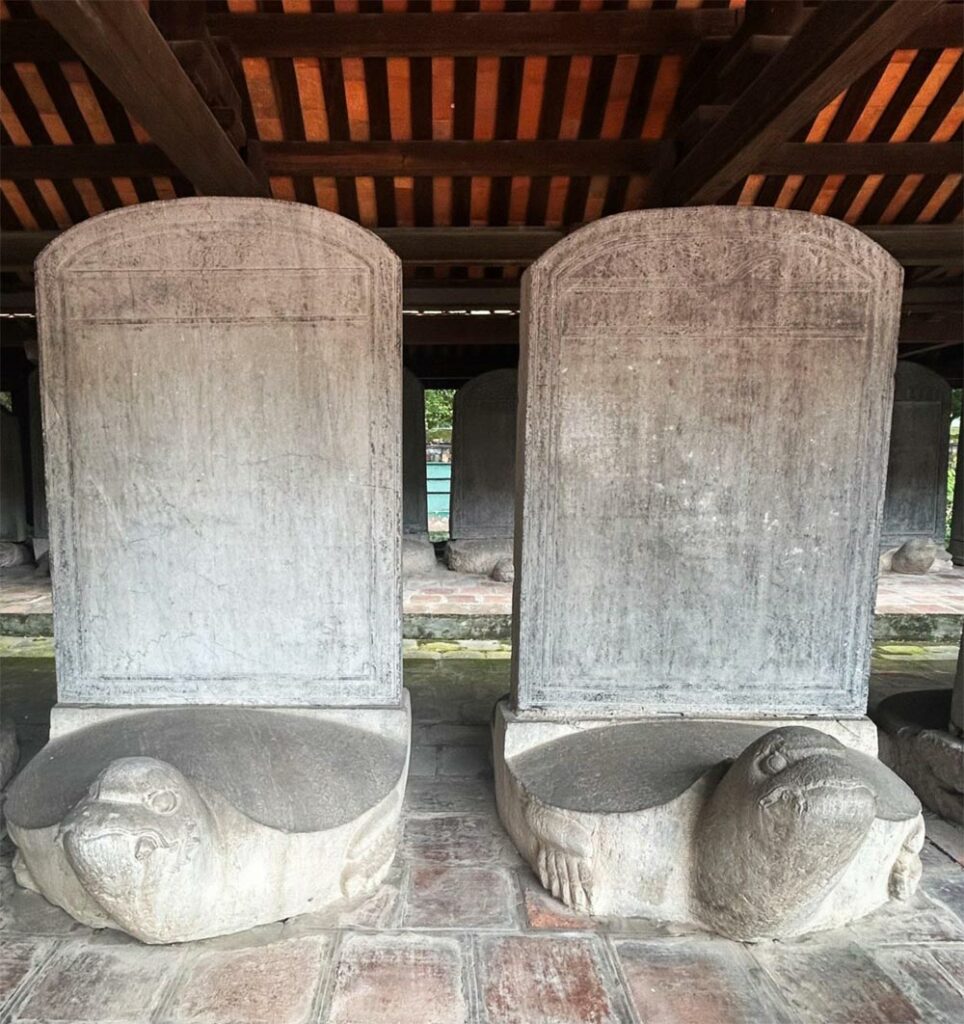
(461, 931)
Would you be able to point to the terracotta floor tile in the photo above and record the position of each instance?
(835, 984)
(18, 957)
(398, 979)
(273, 984)
(101, 984)
(459, 896)
(545, 980)
(697, 981)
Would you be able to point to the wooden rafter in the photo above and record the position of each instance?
(123, 47)
(439, 158)
(838, 43)
(916, 245)
(460, 34)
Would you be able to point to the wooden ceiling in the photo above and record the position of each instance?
(473, 134)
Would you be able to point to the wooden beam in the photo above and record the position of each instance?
(838, 43)
(914, 245)
(443, 158)
(460, 329)
(472, 35)
(822, 158)
(349, 159)
(123, 47)
(920, 245)
(541, 33)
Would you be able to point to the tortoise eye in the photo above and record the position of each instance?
(145, 847)
(773, 763)
(164, 801)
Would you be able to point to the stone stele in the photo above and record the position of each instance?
(922, 739)
(222, 396)
(706, 398)
(418, 554)
(483, 474)
(915, 499)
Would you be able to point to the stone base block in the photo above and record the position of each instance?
(479, 555)
(916, 742)
(418, 556)
(184, 823)
(753, 829)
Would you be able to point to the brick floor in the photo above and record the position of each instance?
(462, 932)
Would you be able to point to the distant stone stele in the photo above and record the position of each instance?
(483, 473)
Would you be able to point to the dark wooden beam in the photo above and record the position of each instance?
(435, 159)
(920, 245)
(857, 158)
(543, 33)
(460, 329)
(472, 35)
(914, 245)
(837, 44)
(123, 47)
(349, 159)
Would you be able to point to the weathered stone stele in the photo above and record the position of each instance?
(483, 472)
(222, 397)
(229, 520)
(706, 398)
(916, 493)
(418, 555)
(706, 401)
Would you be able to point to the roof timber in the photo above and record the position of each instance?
(471, 35)
(496, 158)
(123, 47)
(916, 245)
(837, 44)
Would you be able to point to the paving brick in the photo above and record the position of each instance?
(835, 984)
(101, 984)
(919, 919)
(544, 912)
(273, 984)
(696, 981)
(945, 885)
(924, 981)
(543, 980)
(458, 839)
(398, 979)
(469, 761)
(449, 795)
(459, 896)
(18, 957)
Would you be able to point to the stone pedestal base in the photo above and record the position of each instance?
(916, 743)
(418, 555)
(180, 824)
(479, 555)
(754, 829)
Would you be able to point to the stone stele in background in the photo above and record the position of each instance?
(706, 399)
(922, 739)
(483, 474)
(222, 386)
(418, 554)
(915, 498)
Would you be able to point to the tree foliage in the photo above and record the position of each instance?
(438, 410)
